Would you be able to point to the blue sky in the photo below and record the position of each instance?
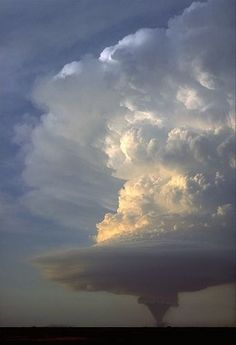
(111, 132)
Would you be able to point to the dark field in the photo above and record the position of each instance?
(75, 335)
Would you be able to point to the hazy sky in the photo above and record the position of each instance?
(118, 135)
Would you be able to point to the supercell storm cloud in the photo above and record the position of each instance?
(118, 163)
(153, 116)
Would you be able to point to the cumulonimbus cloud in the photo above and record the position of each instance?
(155, 110)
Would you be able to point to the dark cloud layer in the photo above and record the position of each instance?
(155, 272)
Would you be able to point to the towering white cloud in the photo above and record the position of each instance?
(155, 110)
